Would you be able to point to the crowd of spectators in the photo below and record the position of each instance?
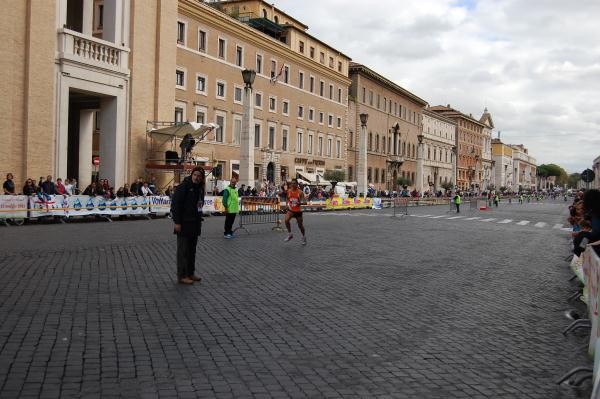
(585, 219)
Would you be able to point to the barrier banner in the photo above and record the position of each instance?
(591, 269)
(11, 206)
(160, 205)
(213, 204)
(377, 203)
(138, 206)
(47, 205)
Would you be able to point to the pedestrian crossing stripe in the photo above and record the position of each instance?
(455, 217)
(474, 218)
(505, 221)
(557, 226)
(523, 222)
(540, 224)
(437, 217)
(487, 220)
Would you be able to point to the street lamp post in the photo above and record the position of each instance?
(247, 133)
(361, 170)
(419, 182)
(454, 166)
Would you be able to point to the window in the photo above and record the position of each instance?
(330, 120)
(350, 176)
(222, 45)
(257, 129)
(285, 107)
(201, 41)
(239, 56)
(286, 74)
(301, 46)
(180, 79)
(331, 92)
(378, 101)
(370, 145)
(312, 52)
(284, 139)
(311, 114)
(383, 175)
(376, 175)
(201, 115)
(258, 63)
(258, 100)
(309, 145)
(237, 129)
(339, 66)
(220, 120)
(301, 80)
(321, 88)
(321, 117)
(320, 147)
(300, 112)
(180, 32)
(220, 89)
(178, 115)
(312, 84)
(330, 62)
(201, 84)
(237, 95)
(350, 139)
(272, 104)
(271, 141)
(329, 147)
(369, 174)
(299, 143)
(377, 143)
(339, 95)
(339, 122)
(273, 68)
(364, 95)
(322, 57)
(338, 149)
(370, 97)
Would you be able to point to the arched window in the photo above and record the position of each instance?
(276, 19)
(383, 144)
(264, 13)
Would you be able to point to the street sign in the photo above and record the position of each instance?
(588, 175)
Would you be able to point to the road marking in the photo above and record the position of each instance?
(437, 217)
(455, 217)
(474, 218)
(540, 224)
(523, 222)
(558, 226)
(487, 220)
(505, 221)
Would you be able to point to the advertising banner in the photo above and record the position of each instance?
(213, 204)
(160, 205)
(11, 206)
(377, 203)
(47, 205)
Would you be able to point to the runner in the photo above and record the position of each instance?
(295, 197)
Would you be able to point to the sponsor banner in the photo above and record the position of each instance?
(160, 205)
(377, 203)
(213, 204)
(11, 206)
(47, 205)
(348, 203)
(84, 205)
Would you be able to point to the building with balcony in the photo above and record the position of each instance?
(469, 146)
(502, 155)
(439, 140)
(299, 93)
(394, 122)
(68, 97)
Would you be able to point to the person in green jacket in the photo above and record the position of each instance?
(230, 203)
(496, 199)
(457, 201)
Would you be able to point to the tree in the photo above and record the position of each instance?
(447, 185)
(573, 180)
(404, 181)
(335, 175)
(547, 170)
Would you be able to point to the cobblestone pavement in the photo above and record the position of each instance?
(372, 307)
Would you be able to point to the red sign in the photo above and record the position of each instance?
(96, 161)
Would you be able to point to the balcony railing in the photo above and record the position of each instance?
(91, 51)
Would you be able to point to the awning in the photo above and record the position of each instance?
(321, 181)
(311, 178)
(302, 181)
(347, 183)
(181, 129)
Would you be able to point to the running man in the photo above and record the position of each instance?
(294, 198)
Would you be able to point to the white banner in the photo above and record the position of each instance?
(47, 205)
(377, 203)
(160, 205)
(11, 206)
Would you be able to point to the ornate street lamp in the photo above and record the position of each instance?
(361, 170)
(247, 133)
(248, 75)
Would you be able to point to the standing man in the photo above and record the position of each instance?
(9, 185)
(230, 203)
(457, 201)
(295, 197)
(186, 211)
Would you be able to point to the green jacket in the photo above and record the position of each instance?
(230, 199)
(457, 199)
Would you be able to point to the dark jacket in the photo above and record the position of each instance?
(49, 187)
(185, 204)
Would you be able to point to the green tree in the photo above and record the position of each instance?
(573, 180)
(335, 175)
(404, 181)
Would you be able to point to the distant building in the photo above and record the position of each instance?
(439, 159)
(502, 155)
(524, 169)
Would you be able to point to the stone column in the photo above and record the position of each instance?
(113, 140)
(113, 21)
(420, 166)
(361, 168)
(87, 23)
(86, 134)
(247, 140)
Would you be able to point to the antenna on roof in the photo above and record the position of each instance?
(499, 134)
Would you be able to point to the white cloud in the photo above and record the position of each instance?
(534, 64)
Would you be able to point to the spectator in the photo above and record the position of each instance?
(99, 190)
(29, 188)
(40, 181)
(153, 186)
(124, 191)
(68, 187)
(105, 185)
(48, 186)
(591, 207)
(169, 191)
(75, 188)
(90, 189)
(136, 187)
(242, 190)
(146, 190)
(60, 187)
(9, 185)
(230, 203)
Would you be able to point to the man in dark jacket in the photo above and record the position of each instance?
(186, 211)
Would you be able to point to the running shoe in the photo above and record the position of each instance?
(303, 240)
(286, 239)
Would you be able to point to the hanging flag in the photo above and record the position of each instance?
(275, 77)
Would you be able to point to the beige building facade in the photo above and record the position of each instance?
(524, 169)
(394, 122)
(439, 139)
(502, 155)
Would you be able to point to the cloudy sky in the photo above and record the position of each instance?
(535, 64)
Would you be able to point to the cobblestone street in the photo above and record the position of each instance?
(406, 307)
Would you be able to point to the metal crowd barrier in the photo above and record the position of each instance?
(259, 210)
(400, 206)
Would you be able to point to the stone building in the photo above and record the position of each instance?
(502, 155)
(524, 168)
(439, 138)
